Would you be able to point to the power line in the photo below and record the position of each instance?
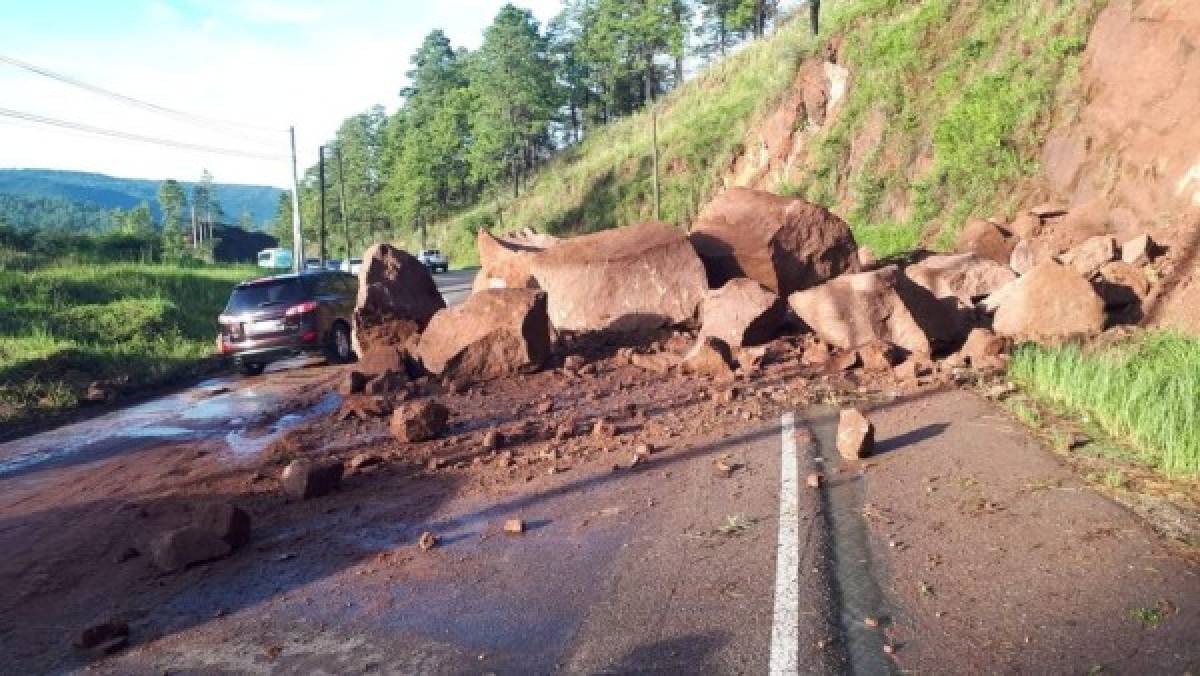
(66, 124)
(201, 120)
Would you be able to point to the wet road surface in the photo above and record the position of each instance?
(248, 412)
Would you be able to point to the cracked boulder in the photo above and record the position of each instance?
(783, 243)
(396, 299)
(629, 279)
(496, 332)
(741, 313)
(881, 305)
(505, 260)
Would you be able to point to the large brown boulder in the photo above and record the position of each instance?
(630, 279)
(496, 332)
(853, 310)
(963, 276)
(505, 260)
(783, 243)
(396, 298)
(742, 313)
(1050, 304)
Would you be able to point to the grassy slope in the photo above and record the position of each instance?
(64, 325)
(1145, 390)
(964, 89)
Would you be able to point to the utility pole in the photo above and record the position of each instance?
(342, 203)
(297, 228)
(321, 179)
(195, 241)
(654, 144)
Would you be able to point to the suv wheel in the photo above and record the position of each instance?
(252, 368)
(340, 349)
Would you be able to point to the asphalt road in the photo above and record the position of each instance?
(455, 285)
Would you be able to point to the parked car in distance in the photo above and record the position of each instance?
(334, 264)
(312, 264)
(277, 317)
(435, 260)
(276, 259)
(352, 265)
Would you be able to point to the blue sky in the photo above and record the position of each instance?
(271, 62)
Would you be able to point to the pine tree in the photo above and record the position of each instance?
(514, 99)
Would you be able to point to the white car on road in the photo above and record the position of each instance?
(434, 259)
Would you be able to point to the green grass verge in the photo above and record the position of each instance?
(1145, 390)
(65, 325)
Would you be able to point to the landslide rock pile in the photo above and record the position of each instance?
(711, 304)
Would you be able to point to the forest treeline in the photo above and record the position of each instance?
(474, 124)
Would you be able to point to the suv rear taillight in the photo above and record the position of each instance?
(301, 309)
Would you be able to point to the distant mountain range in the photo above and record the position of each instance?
(80, 200)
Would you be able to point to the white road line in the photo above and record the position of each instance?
(785, 629)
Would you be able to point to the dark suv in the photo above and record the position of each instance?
(276, 317)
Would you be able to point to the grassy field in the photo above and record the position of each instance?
(64, 325)
(963, 91)
(1145, 391)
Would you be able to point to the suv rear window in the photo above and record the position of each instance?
(265, 294)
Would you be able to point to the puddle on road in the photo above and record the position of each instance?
(243, 442)
(208, 409)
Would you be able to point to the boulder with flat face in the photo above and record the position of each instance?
(396, 298)
(496, 332)
(742, 313)
(854, 310)
(783, 243)
(1050, 304)
(963, 276)
(1139, 251)
(505, 260)
(629, 279)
